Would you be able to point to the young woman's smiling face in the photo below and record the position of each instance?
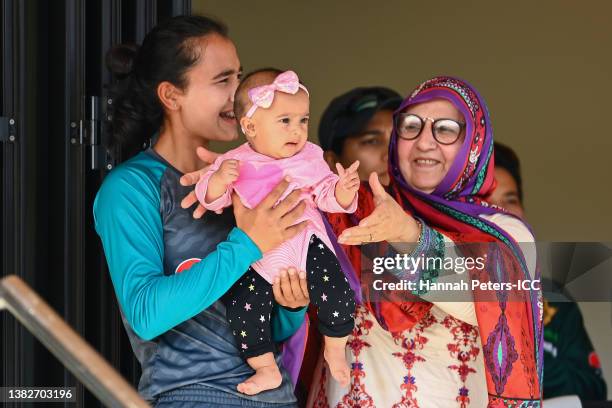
(423, 161)
(207, 102)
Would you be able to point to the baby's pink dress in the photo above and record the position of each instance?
(259, 174)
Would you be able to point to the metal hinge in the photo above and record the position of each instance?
(88, 132)
(8, 129)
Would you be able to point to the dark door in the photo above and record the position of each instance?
(52, 132)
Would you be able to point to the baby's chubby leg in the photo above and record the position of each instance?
(331, 294)
(249, 304)
(267, 375)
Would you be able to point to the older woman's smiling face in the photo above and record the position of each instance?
(423, 161)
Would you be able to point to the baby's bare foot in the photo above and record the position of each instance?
(265, 378)
(336, 359)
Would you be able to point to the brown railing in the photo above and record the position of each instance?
(71, 350)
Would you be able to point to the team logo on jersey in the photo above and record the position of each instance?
(594, 360)
(186, 264)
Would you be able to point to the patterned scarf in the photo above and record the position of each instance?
(510, 330)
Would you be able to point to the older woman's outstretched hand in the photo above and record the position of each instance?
(189, 179)
(388, 222)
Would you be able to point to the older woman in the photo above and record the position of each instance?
(483, 352)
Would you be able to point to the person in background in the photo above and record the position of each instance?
(571, 366)
(509, 190)
(357, 126)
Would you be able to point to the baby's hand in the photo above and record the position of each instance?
(348, 184)
(349, 178)
(225, 175)
(228, 172)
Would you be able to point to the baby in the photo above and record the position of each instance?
(272, 108)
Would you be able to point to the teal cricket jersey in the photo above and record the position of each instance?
(169, 271)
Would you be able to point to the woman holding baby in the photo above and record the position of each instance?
(168, 269)
(171, 272)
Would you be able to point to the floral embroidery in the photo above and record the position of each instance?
(411, 340)
(321, 398)
(500, 354)
(497, 402)
(464, 349)
(528, 366)
(358, 396)
(481, 175)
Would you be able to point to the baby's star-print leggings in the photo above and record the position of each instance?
(249, 302)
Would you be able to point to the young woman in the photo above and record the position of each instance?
(168, 268)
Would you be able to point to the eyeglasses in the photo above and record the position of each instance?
(445, 131)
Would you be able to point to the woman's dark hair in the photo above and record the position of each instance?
(507, 159)
(168, 51)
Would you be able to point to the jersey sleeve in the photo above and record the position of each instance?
(285, 322)
(128, 221)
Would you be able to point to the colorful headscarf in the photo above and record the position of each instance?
(510, 330)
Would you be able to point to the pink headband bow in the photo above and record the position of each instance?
(262, 96)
